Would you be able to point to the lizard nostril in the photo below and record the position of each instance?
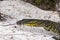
(19, 22)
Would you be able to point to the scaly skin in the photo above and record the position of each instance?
(48, 25)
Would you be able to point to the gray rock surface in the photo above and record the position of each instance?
(19, 10)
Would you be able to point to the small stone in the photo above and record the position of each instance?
(44, 35)
(15, 26)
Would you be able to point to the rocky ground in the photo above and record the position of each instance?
(18, 10)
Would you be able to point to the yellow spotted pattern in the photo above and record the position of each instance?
(48, 25)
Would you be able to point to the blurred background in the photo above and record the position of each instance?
(44, 4)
